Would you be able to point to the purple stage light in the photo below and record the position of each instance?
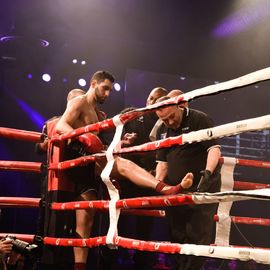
(35, 117)
(240, 20)
(29, 76)
(38, 41)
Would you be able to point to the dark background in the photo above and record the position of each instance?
(144, 43)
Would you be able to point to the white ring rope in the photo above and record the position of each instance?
(248, 79)
(226, 196)
(243, 254)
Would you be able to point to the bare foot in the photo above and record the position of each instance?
(187, 181)
(172, 190)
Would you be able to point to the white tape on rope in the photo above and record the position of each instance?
(223, 226)
(243, 254)
(113, 192)
(257, 76)
(258, 123)
(226, 196)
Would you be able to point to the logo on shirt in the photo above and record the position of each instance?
(140, 119)
(185, 128)
(163, 136)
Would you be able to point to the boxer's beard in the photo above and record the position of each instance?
(100, 99)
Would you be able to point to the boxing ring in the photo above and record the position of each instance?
(231, 190)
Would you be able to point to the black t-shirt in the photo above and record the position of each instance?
(188, 157)
(142, 126)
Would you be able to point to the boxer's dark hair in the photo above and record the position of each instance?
(102, 75)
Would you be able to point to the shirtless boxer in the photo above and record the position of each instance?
(80, 112)
(42, 147)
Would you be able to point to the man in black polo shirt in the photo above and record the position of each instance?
(191, 224)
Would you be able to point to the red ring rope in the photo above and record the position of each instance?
(21, 166)
(247, 220)
(250, 163)
(24, 237)
(144, 202)
(248, 185)
(18, 134)
(19, 202)
(34, 202)
(81, 161)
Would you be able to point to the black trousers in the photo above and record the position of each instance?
(192, 224)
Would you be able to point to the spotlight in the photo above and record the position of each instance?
(46, 77)
(82, 82)
(29, 76)
(117, 87)
(182, 78)
(65, 80)
(23, 39)
(74, 61)
(83, 62)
